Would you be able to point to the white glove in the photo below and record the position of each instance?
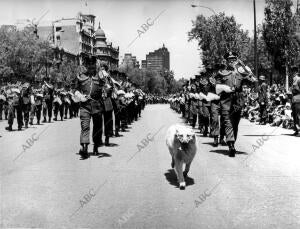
(222, 87)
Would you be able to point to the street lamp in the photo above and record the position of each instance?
(204, 7)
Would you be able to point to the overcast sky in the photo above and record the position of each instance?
(121, 20)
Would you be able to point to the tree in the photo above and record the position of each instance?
(23, 54)
(217, 35)
(279, 34)
(264, 58)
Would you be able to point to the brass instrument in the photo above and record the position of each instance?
(245, 68)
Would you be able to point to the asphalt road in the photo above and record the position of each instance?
(130, 185)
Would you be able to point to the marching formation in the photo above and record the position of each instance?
(220, 96)
(112, 105)
(216, 98)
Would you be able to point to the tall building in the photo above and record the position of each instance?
(130, 61)
(159, 60)
(77, 36)
(104, 50)
(144, 64)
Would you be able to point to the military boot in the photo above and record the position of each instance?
(83, 152)
(107, 141)
(9, 128)
(216, 141)
(95, 149)
(222, 142)
(232, 150)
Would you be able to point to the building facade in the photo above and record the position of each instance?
(77, 37)
(130, 61)
(104, 50)
(159, 60)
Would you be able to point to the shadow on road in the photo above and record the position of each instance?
(112, 145)
(120, 135)
(208, 143)
(91, 154)
(172, 178)
(259, 135)
(225, 152)
(103, 155)
(291, 135)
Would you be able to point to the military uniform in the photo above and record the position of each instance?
(14, 106)
(204, 107)
(2, 102)
(58, 105)
(296, 103)
(67, 105)
(108, 105)
(118, 109)
(48, 101)
(193, 106)
(216, 129)
(26, 105)
(231, 101)
(36, 107)
(91, 87)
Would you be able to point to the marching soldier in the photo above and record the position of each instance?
(26, 106)
(67, 105)
(204, 106)
(296, 100)
(107, 101)
(89, 86)
(58, 105)
(193, 106)
(48, 100)
(36, 106)
(229, 87)
(2, 102)
(14, 101)
(119, 111)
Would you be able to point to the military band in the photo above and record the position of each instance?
(94, 94)
(216, 96)
(215, 100)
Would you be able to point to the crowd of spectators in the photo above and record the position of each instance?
(279, 111)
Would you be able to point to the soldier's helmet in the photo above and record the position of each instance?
(262, 78)
(230, 55)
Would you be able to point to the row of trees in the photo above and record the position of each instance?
(23, 57)
(154, 82)
(278, 46)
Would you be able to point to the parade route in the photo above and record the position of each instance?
(48, 186)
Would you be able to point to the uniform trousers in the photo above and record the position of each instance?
(87, 113)
(231, 116)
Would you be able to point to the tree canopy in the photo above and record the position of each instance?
(217, 35)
